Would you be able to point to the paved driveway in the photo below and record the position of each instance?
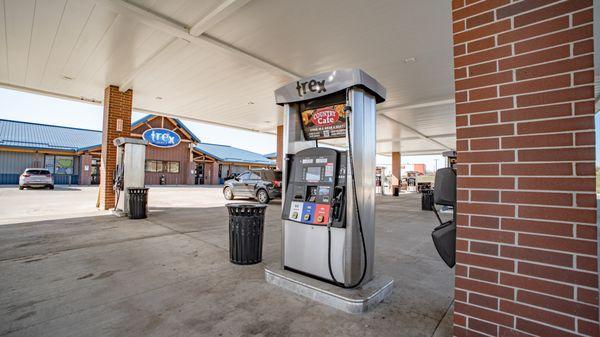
(76, 201)
(170, 275)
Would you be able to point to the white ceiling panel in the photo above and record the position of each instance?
(72, 22)
(3, 47)
(434, 120)
(312, 36)
(187, 12)
(75, 48)
(19, 16)
(48, 15)
(98, 25)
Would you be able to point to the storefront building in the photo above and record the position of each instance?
(73, 155)
(222, 161)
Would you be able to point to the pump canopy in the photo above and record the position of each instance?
(328, 83)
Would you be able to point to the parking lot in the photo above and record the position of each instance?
(71, 270)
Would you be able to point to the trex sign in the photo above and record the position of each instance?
(161, 137)
(310, 86)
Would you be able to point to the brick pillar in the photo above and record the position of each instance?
(215, 173)
(396, 168)
(85, 177)
(117, 115)
(526, 239)
(279, 147)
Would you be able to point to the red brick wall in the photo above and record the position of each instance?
(117, 106)
(526, 239)
(179, 153)
(85, 177)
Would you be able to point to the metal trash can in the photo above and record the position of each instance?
(138, 202)
(427, 200)
(246, 227)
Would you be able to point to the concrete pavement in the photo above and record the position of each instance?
(170, 275)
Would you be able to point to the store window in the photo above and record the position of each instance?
(60, 164)
(49, 163)
(173, 167)
(162, 166)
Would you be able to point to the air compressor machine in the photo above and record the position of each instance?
(329, 194)
(129, 173)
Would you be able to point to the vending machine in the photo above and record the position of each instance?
(329, 148)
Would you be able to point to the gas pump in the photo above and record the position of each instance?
(450, 158)
(129, 173)
(444, 194)
(328, 214)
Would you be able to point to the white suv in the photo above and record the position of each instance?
(36, 177)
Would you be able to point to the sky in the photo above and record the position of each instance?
(27, 107)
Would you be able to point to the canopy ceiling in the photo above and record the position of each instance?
(219, 61)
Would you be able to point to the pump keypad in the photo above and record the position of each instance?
(310, 213)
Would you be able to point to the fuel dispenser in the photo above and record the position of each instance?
(444, 194)
(328, 210)
(129, 173)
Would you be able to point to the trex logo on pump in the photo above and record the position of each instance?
(312, 86)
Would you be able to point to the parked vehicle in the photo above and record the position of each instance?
(36, 177)
(263, 185)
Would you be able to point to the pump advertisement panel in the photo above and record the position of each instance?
(325, 122)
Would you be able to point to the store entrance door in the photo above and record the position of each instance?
(199, 174)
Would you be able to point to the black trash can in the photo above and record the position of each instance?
(427, 200)
(396, 191)
(138, 202)
(246, 227)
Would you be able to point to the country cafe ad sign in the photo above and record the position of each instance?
(161, 137)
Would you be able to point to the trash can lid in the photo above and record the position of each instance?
(137, 188)
(240, 205)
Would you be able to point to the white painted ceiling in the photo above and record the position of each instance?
(219, 61)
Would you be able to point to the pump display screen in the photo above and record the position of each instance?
(324, 122)
(313, 174)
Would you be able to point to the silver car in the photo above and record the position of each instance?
(36, 177)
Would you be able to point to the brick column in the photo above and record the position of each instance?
(85, 177)
(279, 147)
(526, 238)
(396, 169)
(215, 173)
(116, 123)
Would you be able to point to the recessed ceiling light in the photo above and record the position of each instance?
(410, 60)
(158, 98)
